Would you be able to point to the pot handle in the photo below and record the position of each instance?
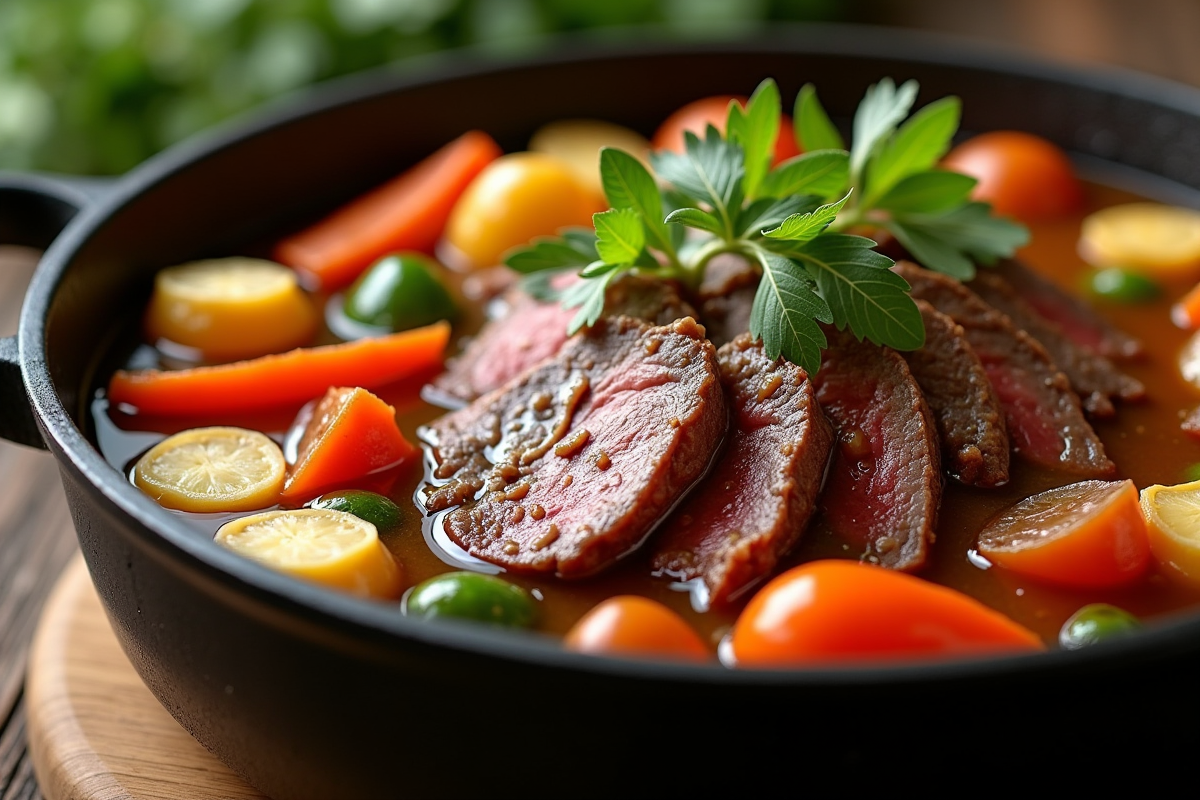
(34, 208)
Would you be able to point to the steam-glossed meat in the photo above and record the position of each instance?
(1044, 417)
(571, 465)
(970, 419)
(726, 296)
(530, 331)
(1079, 321)
(1094, 378)
(753, 506)
(885, 482)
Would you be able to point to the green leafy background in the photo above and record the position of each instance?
(96, 86)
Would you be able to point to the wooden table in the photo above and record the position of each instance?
(1155, 36)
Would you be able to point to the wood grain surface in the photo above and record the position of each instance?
(1155, 36)
(95, 731)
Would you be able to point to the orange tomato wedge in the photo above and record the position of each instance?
(1089, 534)
(833, 611)
(628, 625)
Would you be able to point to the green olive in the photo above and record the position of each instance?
(399, 292)
(1094, 623)
(381, 512)
(469, 595)
(1124, 286)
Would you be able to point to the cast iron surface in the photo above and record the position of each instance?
(311, 694)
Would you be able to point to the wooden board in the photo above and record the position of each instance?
(95, 731)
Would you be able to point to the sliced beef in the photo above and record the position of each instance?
(885, 481)
(531, 330)
(1044, 417)
(571, 465)
(726, 296)
(969, 417)
(731, 531)
(1094, 378)
(1078, 320)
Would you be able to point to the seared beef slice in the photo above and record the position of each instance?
(970, 419)
(571, 465)
(1044, 417)
(1094, 378)
(885, 482)
(754, 505)
(531, 330)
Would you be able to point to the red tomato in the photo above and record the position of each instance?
(628, 625)
(698, 115)
(1021, 175)
(843, 611)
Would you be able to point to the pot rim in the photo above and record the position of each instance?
(328, 611)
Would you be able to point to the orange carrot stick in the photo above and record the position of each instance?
(407, 213)
(287, 378)
(1186, 312)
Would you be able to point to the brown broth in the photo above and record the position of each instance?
(1144, 440)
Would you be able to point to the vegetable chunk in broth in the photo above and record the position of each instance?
(543, 435)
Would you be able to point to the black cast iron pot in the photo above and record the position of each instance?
(312, 694)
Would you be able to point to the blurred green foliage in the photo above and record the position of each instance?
(96, 86)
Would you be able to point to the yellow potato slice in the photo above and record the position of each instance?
(578, 141)
(329, 547)
(1156, 239)
(230, 308)
(213, 469)
(1173, 522)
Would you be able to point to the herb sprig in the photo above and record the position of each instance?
(795, 221)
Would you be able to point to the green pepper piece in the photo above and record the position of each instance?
(1124, 286)
(399, 292)
(1095, 623)
(472, 596)
(376, 509)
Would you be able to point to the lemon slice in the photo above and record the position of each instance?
(230, 308)
(1173, 522)
(1156, 239)
(213, 469)
(329, 547)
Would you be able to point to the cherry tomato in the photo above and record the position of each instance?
(1021, 175)
(515, 198)
(698, 115)
(628, 625)
(844, 611)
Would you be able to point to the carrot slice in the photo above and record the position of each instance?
(1186, 313)
(407, 213)
(1089, 534)
(285, 379)
(351, 434)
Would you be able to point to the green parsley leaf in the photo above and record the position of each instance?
(950, 242)
(541, 285)
(598, 268)
(883, 107)
(755, 130)
(915, 147)
(805, 227)
(785, 312)
(861, 290)
(928, 192)
(551, 254)
(627, 184)
(814, 131)
(589, 296)
(620, 235)
(824, 173)
(710, 170)
(696, 218)
(768, 213)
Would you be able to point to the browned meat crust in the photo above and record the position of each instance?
(885, 482)
(570, 466)
(1044, 417)
(1094, 378)
(970, 419)
(753, 506)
